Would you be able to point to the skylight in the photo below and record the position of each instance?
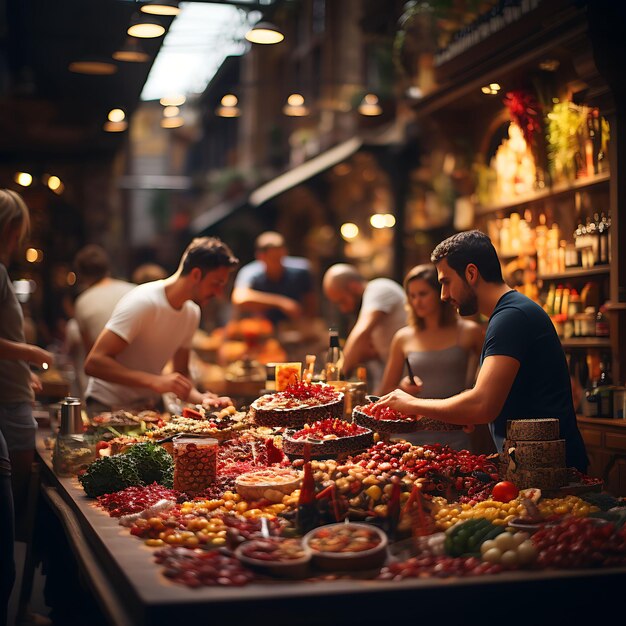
(199, 39)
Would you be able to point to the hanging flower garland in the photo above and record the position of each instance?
(525, 112)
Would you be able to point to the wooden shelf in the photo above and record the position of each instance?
(586, 342)
(601, 421)
(579, 184)
(579, 272)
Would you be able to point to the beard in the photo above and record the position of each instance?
(468, 305)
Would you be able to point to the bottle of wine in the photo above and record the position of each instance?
(307, 513)
(334, 358)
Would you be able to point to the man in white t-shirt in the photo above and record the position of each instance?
(152, 324)
(101, 292)
(381, 306)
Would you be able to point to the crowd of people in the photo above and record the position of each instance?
(422, 357)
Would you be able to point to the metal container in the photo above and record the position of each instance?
(71, 416)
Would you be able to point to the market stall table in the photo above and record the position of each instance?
(132, 591)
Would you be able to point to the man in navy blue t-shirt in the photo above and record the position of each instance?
(523, 372)
(276, 286)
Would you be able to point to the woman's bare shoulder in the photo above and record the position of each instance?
(469, 329)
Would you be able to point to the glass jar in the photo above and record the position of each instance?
(195, 463)
(71, 454)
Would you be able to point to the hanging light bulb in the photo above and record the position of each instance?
(23, 178)
(172, 122)
(93, 65)
(161, 7)
(131, 52)
(228, 106)
(145, 27)
(295, 106)
(174, 100)
(369, 105)
(264, 33)
(116, 115)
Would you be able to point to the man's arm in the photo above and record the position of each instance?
(358, 346)
(480, 405)
(258, 301)
(101, 363)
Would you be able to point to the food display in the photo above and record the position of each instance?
(328, 437)
(235, 511)
(533, 455)
(297, 405)
(384, 419)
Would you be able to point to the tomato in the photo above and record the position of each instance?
(504, 491)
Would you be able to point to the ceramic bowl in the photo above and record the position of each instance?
(277, 556)
(347, 546)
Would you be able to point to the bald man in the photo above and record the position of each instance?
(381, 312)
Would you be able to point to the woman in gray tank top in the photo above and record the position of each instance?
(442, 350)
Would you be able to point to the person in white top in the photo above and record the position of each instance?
(381, 306)
(101, 292)
(152, 324)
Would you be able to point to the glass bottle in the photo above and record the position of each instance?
(334, 358)
(602, 323)
(307, 515)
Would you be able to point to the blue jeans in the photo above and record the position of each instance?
(7, 561)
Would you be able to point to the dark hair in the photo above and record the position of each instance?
(207, 253)
(428, 273)
(471, 246)
(92, 263)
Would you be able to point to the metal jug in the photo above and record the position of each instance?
(71, 416)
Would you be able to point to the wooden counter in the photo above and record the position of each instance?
(128, 584)
(605, 441)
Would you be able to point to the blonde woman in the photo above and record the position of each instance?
(442, 350)
(17, 425)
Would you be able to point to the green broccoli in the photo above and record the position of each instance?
(153, 463)
(109, 474)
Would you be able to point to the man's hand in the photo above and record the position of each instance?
(211, 400)
(35, 383)
(412, 386)
(398, 400)
(290, 308)
(178, 384)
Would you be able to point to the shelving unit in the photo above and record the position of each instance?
(581, 184)
(588, 272)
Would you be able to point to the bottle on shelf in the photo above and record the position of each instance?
(604, 390)
(549, 305)
(602, 322)
(603, 235)
(334, 357)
